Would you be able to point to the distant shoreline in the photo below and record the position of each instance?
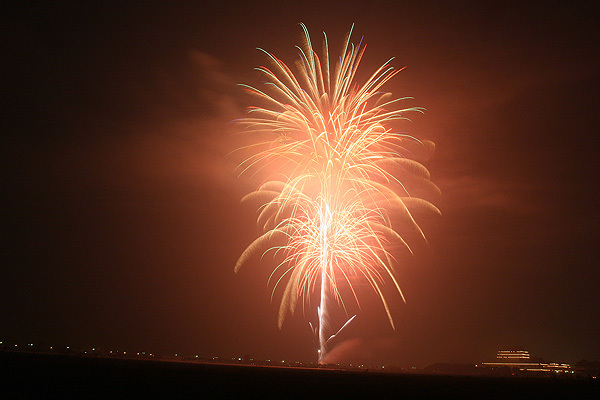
(70, 376)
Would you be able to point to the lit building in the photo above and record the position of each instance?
(521, 360)
(513, 355)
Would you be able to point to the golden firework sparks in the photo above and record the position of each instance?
(340, 174)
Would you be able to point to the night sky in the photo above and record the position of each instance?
(121, 208)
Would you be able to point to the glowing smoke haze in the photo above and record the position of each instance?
(340, 185)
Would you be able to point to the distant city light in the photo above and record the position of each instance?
(511, 362)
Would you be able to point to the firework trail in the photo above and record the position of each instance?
(342, 186)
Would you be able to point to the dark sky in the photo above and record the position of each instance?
(121, 209)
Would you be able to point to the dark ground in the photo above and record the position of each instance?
(25, 375)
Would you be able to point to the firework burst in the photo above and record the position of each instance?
(341, 178)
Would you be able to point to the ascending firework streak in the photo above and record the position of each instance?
(327, 211)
